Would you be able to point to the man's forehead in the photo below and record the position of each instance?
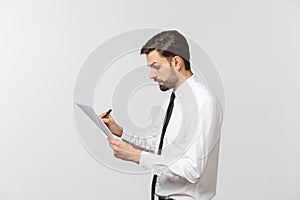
(154, 57)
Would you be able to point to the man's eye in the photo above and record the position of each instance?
(156, 66)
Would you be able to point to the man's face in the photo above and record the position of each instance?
(162, 71)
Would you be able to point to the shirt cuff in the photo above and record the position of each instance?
(145, 159)
(153, 163)
(125, 136)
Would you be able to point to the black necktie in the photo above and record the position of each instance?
(166, 122)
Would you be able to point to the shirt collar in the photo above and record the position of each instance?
(185, 86)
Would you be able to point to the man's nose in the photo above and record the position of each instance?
(152, 74)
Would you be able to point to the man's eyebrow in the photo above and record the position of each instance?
(151, 65)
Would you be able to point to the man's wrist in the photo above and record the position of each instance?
(136, 156)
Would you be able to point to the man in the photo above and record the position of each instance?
(183, 146)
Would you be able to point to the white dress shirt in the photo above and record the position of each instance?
(187, 167)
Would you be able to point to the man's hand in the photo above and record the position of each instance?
(124, 151)
(111, 124)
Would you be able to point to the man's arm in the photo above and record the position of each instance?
(145, 140)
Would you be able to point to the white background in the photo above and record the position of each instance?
(255, 45)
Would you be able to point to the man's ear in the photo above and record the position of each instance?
(178, 63)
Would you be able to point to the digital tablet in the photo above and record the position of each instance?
(89, 111)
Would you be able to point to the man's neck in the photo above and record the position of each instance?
(184, 76)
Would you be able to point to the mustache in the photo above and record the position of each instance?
(156, 80)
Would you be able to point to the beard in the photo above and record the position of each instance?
(170, 82)
(163, 88)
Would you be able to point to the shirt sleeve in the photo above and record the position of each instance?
(146, 144)
(187, 156)
(145, 139)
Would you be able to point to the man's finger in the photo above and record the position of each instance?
(114, 147)
(114, 141)
(105, 120)
(101, 115)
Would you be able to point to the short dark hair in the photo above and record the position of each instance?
(169, 44)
